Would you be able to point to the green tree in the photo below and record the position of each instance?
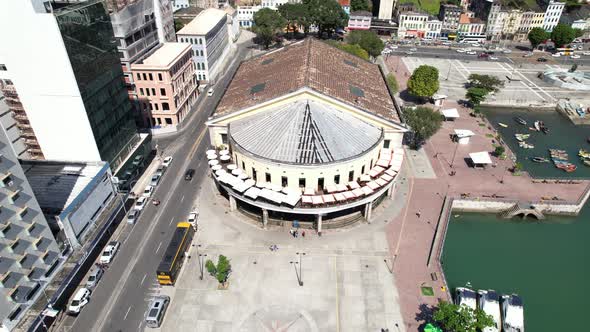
(368, 40)
(424, 82)
(267, 23)
(454, 318)
(327, 15)
(499, 150)
(297, 15)
(537, 36)
(356, 5)
(562, 35)
(220, 271)
(352, 49)
(424, 122)
(578, 33)
(392, 83)
(476, 95)
(487, 82)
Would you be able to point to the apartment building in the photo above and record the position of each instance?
(552, 15)
(412, 24)
(528, 21)
(167, 86)
(433, 28)
(449, 15)
(247, 8)
(179, 4)
(359, 20)
(471, 27)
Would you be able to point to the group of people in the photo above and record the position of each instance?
(295, 233)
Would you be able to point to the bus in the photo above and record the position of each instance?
(174, 257)
(565, 51)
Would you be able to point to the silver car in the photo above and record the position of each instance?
(157, 310)
(94, 276)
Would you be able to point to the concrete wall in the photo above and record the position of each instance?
(481, 206)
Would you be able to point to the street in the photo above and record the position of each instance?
(120, 300)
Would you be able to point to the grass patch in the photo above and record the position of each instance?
(482, 124)
(427, 291)
(489, 135)
(430, 6)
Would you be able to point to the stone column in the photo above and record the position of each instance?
(390, 191)
(233, 205)
(319, 221)
(264, 217)
(368, 210)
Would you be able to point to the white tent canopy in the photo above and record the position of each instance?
(480, 158)
(461, 133)
(450, 113)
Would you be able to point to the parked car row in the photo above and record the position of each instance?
(148, 191)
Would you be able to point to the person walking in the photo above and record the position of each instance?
(302, 233)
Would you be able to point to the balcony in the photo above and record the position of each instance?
(31, 142)
(20, 117)
(24, 126)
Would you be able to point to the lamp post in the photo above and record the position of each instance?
(201, 258)
(298, 273)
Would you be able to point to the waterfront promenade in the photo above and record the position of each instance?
(412, 231)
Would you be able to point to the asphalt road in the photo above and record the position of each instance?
(119, 302)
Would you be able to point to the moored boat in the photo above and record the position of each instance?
(540, 160)
(503, 125)
(587, 162)
(584, 153)
(538, 125)
(521, 137)
(489, 302)
(520, 120)
(466, 297)
(512, 313)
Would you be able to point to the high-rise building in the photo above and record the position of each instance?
(386, 9)
(64, 66)
(552, 15)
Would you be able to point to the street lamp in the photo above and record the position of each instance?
(201, 258)
(298, 273)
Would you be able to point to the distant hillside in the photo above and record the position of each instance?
(430, 6)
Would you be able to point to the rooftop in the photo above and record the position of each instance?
(361, 13)
(203, 23)
(57, 184)
(164, 56)
(309, 64)
(188, 11)
(305, 132)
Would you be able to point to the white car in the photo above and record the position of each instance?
(210, 92)
(507, 51)
(392, 47)
(155, 179)
(585, 53)
(132, 216)
(493, 58)
(140, 203)
(447, 43)
(556, 55)
(476, 45)
(413, 49)
(109, 252)
(471, 52)
(148, 191)
(80, 299)
(460, 50)
(575, 56)
(193, 216)
(167, 161)
(580, 47)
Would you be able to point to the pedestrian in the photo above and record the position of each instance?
(418, 214)
(302, 233)
(292, 231)
(296, 233)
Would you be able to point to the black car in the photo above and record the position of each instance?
(541, 60)
(189, 174)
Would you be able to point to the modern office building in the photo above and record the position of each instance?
(311, 132)
(209, 35)
(167, 86)
(29, 253)
(12, 131)
(64, 66)
(386, 9)
(552, 15)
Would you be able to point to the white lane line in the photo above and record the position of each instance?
(533, 91)
(532, 83)
(182, 199)
(143, 279)
(511, 72)
(127, 313)
(159, 245)
(463, 66)
(454, 65)
(139, 326)
(171, 220)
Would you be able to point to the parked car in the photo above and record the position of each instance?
(413, 49)
(137, 160)
(460, 50)
(483, 55)
(132, 216)
(94, 276)
(575, 56)
(193, 216)
(140, 203)
(541, 60)
(507, 51)
(167, 161)
(585, 53)
(210, 92)
(493, 58)
(160, 171)
(471, 52)
(109, 252)
(189, 174)
(157, 310)
(528, 55)
(148, 191)
(155, 179)
(556, 55)
(80, 299)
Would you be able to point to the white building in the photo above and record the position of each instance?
(386, 9)
(179, 4)
(412, 24)
(359, 20)
(579, 24)
(552, 15)
(433, 28)
(233, 25)
(209, 35)
(495, 23)
(247, 9)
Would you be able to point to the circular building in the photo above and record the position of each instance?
(307, 133)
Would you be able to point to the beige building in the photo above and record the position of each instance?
(528, 21)
(166, 86)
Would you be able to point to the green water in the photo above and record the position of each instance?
(547, 263)
(563, 135)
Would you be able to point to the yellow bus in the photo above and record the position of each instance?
(174, 257)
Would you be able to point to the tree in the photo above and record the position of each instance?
(352, 49)
(578, 33)
(220, 271)
(297, 15)
(424, 122)
(392, 83)
(327, 15)
(562, 35)
(537, 36)
(499, 150)
(487, 82)
(368, 40)
(356, 5)
(267, 23)
(455, 318)
(476, 95)
(424, 82)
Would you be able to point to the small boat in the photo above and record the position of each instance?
(489, 302)
(503, 125)
(545, 130)
(538, 125)
(533, 129)
(512, 313)
(587, 162)
(584, 154)
(466, 297)
(540, 160)
(520, 120)
(526, 145)
(522, 137)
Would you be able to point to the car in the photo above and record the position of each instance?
(210, 92)
(80, 299)
(386, 51)
(585, 53)
(541, 60)
(160, 171)
(148, 191)
(155, 179)
(575, 56)
(476, 45)
(413, 49)
(447, 43)
(409, 52)
(507, 51)
(580, 47)
(109, 252)
(140, 203)
(483, 55)
(188, 175)
(156, 311)
(392, 47)
(137, 160)
(556, 55)
(528, 55)
(471, 52)
(132, 216)
(493, 58)
(94, 276)
(460, 50)
(193, 216)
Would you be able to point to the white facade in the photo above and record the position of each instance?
(412, 24)
(179, 4)
(359, 21)
(164, 20)
(433, 29)
(233, 25)
(579, 24)
(386, 9)
(495, 22)
(552, 15)
(247, 11)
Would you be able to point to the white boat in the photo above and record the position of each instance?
(489, 302)
(538, 125)
(465, 296)
(512, 313)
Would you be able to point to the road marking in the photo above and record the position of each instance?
(139, 326)
(454, 65)
(182, 199)
(463, 66)
(337, 298)
(515, 71)
(143, 279)
(127, 313)
(159, 245)
(171, 220)
(531, 82)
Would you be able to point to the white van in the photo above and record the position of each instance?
(157, 310)
(81, 298)
(210, 92)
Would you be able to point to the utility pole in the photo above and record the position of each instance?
(298, 273)
(201, 257)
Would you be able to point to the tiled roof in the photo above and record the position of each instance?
(344, 2)
(315, 65)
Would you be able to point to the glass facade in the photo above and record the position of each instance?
(92, 49)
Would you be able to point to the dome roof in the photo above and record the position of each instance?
(304, 132)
